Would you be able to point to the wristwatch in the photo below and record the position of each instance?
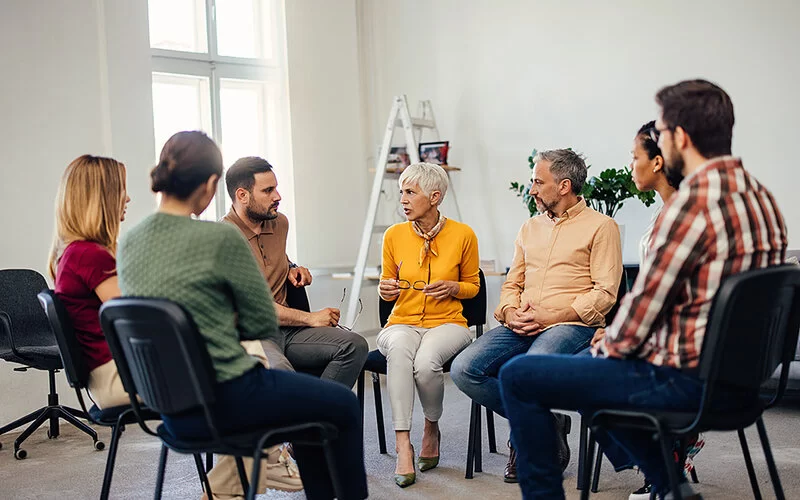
(292, 265)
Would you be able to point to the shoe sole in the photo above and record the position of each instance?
(277, 485)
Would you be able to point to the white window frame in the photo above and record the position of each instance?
(268, 71)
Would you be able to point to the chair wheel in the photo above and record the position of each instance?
(99, 445)
(50, 436)
(1, 446)
(20, 454)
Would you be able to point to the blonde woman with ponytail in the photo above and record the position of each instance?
(89, 208)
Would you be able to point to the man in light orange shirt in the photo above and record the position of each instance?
(562, 282)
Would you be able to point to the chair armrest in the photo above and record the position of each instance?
(6, 335)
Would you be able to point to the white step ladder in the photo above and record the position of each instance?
(399, 115)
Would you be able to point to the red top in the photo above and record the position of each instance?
(82, 267)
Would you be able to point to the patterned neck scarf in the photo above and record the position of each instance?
(428, 245)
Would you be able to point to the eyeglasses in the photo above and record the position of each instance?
(656, 133)
(417, 285)
(358, 313)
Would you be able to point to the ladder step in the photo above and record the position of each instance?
(418, 122)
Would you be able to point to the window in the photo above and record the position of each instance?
(218, 67)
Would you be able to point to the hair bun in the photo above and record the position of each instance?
(160, 176)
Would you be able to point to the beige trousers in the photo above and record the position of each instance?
(415, 357)
(105, 387)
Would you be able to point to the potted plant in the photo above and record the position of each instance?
(605, 193)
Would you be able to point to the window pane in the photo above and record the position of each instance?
(178, 25)
(244, 28)
(242, 112)
(181, 102)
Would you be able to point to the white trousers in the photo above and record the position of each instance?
(415, 357)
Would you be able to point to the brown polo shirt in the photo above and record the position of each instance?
(269, 249)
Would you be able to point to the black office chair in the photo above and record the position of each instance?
(162, 357)
(752, 329)
(475, 314)
(297, 298)
(26, 339)
(77, 373)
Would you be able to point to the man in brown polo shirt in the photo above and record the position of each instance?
(315, 343)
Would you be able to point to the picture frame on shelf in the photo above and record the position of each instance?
(434, 152)
(398, 155)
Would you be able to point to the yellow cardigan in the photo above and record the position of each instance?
(457, 247)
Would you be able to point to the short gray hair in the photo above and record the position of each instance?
(428, 176)
(565, 164)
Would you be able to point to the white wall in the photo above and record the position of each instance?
(326, 130)
(508, 76)
(75, 80)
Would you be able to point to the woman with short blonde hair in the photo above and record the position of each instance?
(90, 205)
(430, 264)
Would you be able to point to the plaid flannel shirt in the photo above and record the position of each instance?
(720, 222)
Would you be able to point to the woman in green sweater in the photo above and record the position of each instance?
(207, 268)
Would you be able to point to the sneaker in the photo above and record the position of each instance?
(642, 493)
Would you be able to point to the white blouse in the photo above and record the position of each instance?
(644, 243)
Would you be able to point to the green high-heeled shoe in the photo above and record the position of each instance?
(406, 480)
(428, 463)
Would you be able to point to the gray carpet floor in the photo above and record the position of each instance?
(68, 467)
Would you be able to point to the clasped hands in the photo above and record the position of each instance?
(390, 289)
(528, 320)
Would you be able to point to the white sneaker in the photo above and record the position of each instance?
(642, 493)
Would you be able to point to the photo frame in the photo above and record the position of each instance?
(434, 152)
(399, 155)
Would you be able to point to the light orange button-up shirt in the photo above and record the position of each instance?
(572, 261)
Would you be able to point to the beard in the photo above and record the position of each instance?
(673, 166)
(259, 214)
(546, 208)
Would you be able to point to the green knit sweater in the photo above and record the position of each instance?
(207, 268)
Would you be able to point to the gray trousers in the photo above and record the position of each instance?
(327, 352)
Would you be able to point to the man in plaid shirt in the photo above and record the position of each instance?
(720, 222)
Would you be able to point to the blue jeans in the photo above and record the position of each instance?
(261, 399)
(533, 385)
(475, 370)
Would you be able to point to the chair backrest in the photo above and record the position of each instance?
(75, 367)
(297, 298)
(21, 317)
(624, 287)
(474, 308)
(753, 328)
(160, 354)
